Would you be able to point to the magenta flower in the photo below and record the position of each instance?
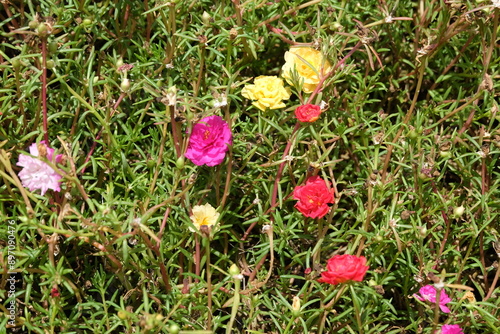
(37, 174)
(428, 293)
(209, 141)
(451, 329)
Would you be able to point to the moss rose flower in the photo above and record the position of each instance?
(451, 329)
(204, 215)
(314, 197)
(344, 268)
(209, 141)
(37, 174)
(267, 92)
(308, 112)
(429, 293)
(309, 64)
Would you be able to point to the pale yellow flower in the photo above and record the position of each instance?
(204, 215)
(267, 92)
(309, 64)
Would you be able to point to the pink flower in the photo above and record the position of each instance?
(209, 141)
(428, 293)
(451, 329)
(36, 173)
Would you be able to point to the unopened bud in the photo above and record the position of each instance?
(458, 211)
(16, 63)
(234, 270)
(180, 163)
(33, 24)
(119, 62)
(42, 30)
(174, 329)
(205, 17)
(87, 22)
(52, 47)
(122, 315)
(296, 306)
(423, 231)
(50, 64)
(125, 85)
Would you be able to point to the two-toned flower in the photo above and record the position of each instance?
(36, 173)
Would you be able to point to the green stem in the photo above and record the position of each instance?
(236, 303)
(357, 310)
(209, 283)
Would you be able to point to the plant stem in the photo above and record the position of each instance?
(236, 303)
(44, 90)
(406, 119)
(209, 282)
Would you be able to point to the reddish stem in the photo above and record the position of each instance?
(44, 90)
(175, 132)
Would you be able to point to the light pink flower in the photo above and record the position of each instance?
(37, 174)
(451, 329)
(209, 141)
(428, 293)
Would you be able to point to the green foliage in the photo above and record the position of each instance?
(410, 140)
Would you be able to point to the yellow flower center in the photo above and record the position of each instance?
(206, 134)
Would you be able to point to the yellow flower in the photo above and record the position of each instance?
(203, 215)
(308, 63)
(267, 92)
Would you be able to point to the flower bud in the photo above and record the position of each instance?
(205, 17)
(445, 154)
(423, 232)
(50, 64)
(458, 211)
(119, 62)
(87, 22)
(174, 329)
(16, 63)
(122, 315)
(52, 47)
(125, 85)
(234, 270)
(42, 30)
(33, 24)
(296, 306)
(180, 163)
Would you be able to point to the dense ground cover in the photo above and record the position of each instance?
(188, 192)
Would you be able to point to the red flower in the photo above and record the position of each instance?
(54, 293)
(314, 197)
(308, 112)
(343, 268)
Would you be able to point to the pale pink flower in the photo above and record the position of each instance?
(209, 141)
(37, 174)
(428, 293)
(451, 329)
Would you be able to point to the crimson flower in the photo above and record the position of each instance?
(314, 197)
(308, 112)
(344, 268)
